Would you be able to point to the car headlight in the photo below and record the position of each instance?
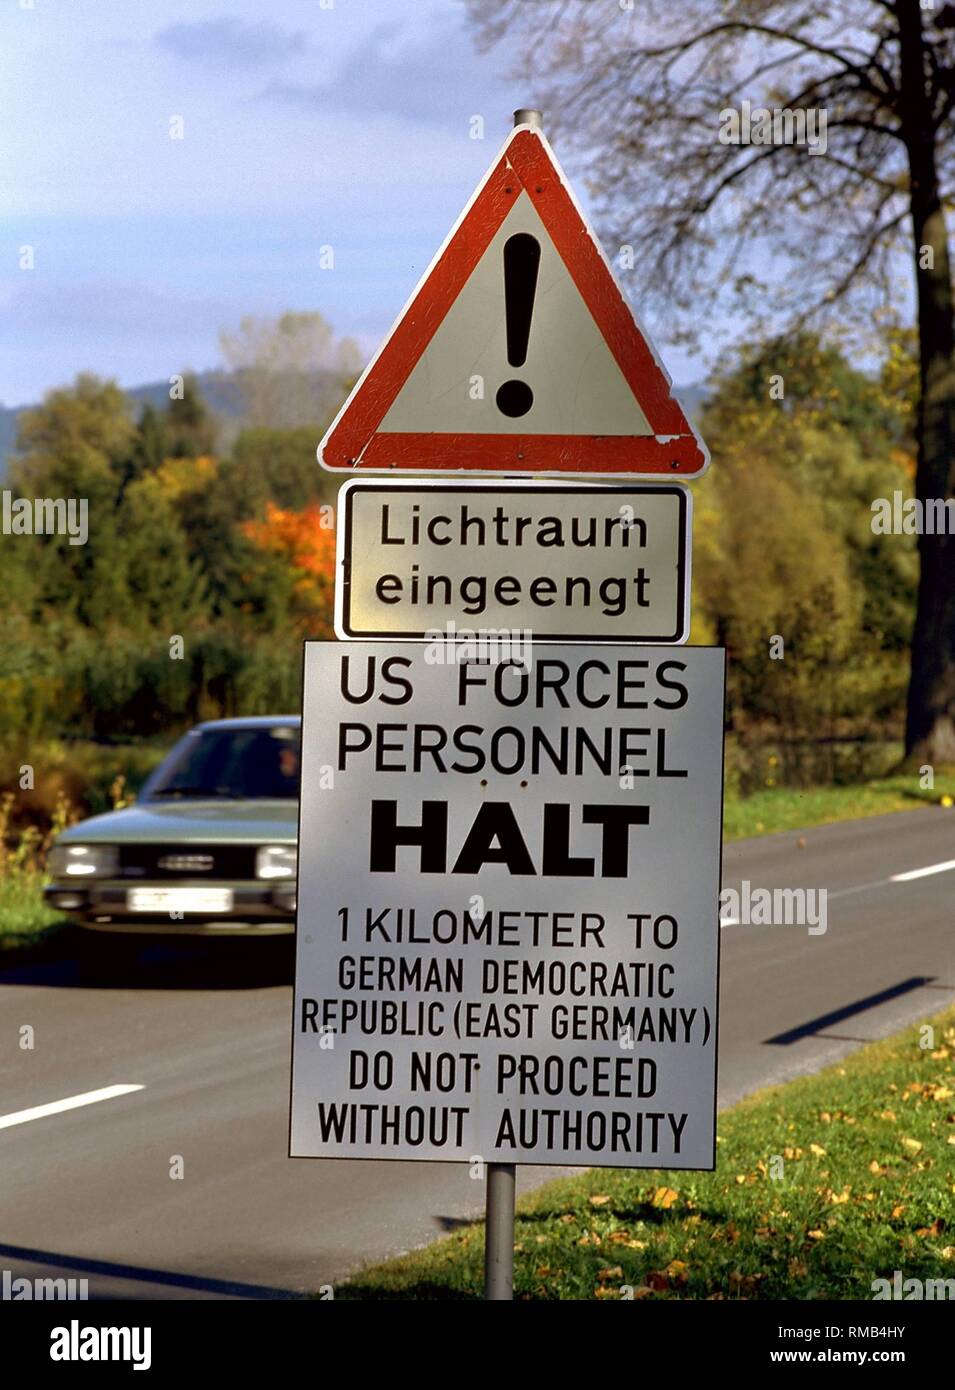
(83, 861)
(276, 861)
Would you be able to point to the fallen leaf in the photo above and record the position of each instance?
(817, 1149)
(816, 1235)
(897, 1211)
(912, 1144)
(599, 1201)
(888, 1115)
(612, 1272)
(665, 1197)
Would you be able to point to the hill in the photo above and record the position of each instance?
(223, 393)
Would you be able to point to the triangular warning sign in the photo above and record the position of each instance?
(517, 352)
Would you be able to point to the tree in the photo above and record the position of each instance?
(292, 369)
(784, 546)
(91, 416)
(304, 542)
(151, 446)
(77, 445)
(277, 465)
(188, 430)
(166, 554)
(771, 228)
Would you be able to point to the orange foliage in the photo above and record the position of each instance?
(307, 542)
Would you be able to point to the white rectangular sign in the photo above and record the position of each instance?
(575, 562)
(508, 900)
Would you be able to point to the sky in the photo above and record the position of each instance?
(305, 124)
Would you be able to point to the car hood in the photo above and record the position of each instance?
(238, 822)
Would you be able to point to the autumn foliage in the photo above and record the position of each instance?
(305, 540)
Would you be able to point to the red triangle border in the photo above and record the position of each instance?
(354, 441)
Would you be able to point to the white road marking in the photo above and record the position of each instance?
(924, 873)
(56, 1107)
(907, 877)
(858, 888)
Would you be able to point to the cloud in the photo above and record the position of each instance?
(439, 80)
(225, 42)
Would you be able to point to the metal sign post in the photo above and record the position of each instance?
(499, 1233)
(550, 761)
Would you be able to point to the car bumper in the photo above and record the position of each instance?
(256, 910)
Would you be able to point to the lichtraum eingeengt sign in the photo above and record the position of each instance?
(578, 562)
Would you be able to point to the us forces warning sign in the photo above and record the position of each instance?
(518, 351)
(508, 929)
(513, 561)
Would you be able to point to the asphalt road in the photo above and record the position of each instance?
(87, 1193)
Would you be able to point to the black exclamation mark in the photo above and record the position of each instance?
(522, 254)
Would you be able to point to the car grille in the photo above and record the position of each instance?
(198, 861)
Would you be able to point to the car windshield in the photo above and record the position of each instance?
(244, 764)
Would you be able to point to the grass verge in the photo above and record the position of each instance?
(25, 919)
(783, 808)
(821, 1186)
